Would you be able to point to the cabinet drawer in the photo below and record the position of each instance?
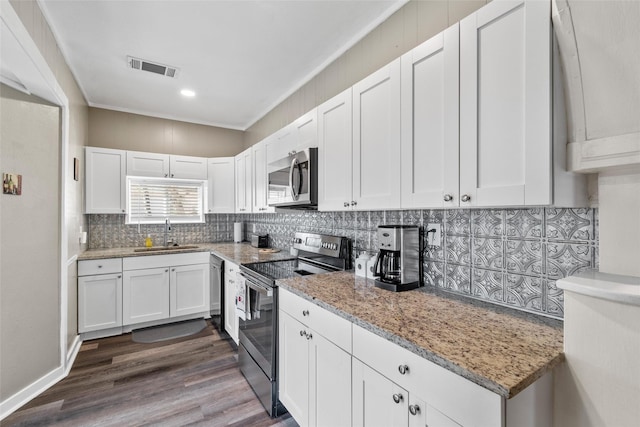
(333, 327)
(165, 260)
(99, 266)
(465, 402)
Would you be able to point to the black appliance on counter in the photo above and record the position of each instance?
(399, 264)
(258, 335)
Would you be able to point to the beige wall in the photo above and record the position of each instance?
(125, 131)
(414, 23)
(38, 28)
(29, 224)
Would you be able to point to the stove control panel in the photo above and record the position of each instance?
(319, 243)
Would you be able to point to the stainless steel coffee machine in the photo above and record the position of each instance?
(399, 264)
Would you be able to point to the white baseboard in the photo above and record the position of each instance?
(72, 354)
(13, 403)
(33, 390)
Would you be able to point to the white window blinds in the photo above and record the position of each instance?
(152, 200)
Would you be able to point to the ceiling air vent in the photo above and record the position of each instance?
(152, 67)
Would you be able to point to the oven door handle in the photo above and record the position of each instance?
(262, 289)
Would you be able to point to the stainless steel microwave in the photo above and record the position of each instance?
(293, 180)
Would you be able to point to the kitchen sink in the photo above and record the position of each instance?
(165, 248)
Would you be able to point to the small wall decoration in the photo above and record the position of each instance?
(76, 169)
(12, 184)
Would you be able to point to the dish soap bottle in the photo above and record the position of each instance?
(147, 242)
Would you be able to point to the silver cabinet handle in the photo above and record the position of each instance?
(167, 270)
(166, 175)
(119, 277)
(99, 266)
(309, 336)
(353, 203)
(465, 198)
(173, 269)
(403, 369)
(302, 333)
(171, 175)
(123, 211)
(448, 197)
(346, 204)
(414, 409)
(305, 312)
(398, 397)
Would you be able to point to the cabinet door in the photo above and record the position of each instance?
(147, 164)
(145, 295)
(430, 122)
(330, 383)
(505, 105)
(189, 287)
(99, 302)
(335, 153)
(377, 401)
(259, 156)
(293, 367)
(305, 130)
(376, 139)
(244, 183)
(221, 191)
(105, 181)
(188, 167)
(230, 317)
(281, 143)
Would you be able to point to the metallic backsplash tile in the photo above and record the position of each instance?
(510, 257)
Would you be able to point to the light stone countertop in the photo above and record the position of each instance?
(496, 348)
(237, 253)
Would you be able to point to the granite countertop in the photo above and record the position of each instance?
(497, 348)
(238, 253)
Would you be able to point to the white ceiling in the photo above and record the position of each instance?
(241, 58)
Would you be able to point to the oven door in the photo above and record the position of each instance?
(292, 180)
(258, 333)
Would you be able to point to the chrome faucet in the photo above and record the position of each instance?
(167, 228)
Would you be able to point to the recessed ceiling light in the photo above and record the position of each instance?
(187, 92)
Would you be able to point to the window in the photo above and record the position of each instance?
(152, 200)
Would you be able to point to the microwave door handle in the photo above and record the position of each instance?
(294, 193)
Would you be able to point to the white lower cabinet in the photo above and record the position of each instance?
(333, 373)
(189, 289)
(164, 286)
(99, 294)
(230, 316)
(378, 401)
(314, 371)
(145, 295)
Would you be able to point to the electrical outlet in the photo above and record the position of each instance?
(433, 238)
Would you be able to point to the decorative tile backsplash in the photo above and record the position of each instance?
(510, 257)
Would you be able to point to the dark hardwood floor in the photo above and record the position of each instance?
(116, 382)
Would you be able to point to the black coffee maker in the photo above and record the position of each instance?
(399, 263)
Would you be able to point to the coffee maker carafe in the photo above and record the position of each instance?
(399, 264)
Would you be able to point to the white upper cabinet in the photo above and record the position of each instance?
(260, 178)
(147, 164)
(335, 153)
(221, 188)
(505, 105)
(376, 139)
(429, 111)
(165, 165)
(187, 167)
(105, 181)
(297, 136)
(244, 181)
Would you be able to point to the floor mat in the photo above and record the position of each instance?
(168, 332)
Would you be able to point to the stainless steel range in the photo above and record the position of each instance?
(257, 304)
